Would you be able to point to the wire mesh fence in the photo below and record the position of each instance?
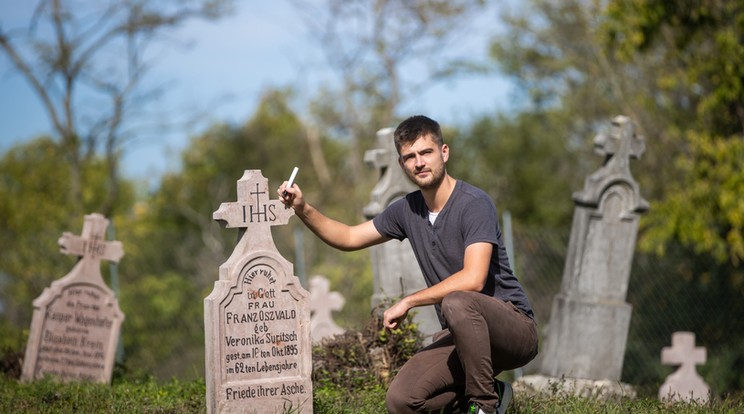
(679, 291)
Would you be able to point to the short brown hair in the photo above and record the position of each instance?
(414, 128)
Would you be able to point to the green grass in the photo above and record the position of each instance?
(150, 396)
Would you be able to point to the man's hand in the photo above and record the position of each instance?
(395, 314)
(291, 196)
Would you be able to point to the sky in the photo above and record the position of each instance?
(219, 69)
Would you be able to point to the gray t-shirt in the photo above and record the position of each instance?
(468, 217)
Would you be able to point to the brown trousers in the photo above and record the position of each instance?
(485, 337)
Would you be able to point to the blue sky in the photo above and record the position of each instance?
(223, 78)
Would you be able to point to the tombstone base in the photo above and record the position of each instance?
(587, 339)
(532, 385)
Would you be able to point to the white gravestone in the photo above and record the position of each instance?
(322, 303)
(76, 321)
(684, 384)
(257, 317)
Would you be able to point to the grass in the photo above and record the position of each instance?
(177, 397)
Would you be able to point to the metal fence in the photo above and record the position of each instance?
(679, 291)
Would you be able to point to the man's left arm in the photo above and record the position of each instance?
(472, 277)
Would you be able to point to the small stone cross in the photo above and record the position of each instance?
(91, 244)
(322, 302)
(253, 210)
(685, 383)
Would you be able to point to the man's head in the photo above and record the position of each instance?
(421, 153)
(416, 127)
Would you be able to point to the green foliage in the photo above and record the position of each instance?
(701, 43)
(522, 162)
(706, 210)
(34, 214)
(144, 396)
(367, 359)
(672, 67)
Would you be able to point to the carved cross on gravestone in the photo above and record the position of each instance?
(322, 303)
(257, 318)
(684, 384)
(76, 322)
(90, 245)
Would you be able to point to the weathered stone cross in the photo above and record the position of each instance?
(253, 210)
(91, 245)
(683, 352)
(322, 303)
(621, 143)
(254, 213)
(685, 383)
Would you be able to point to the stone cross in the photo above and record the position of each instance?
(684, 384)
(91, 244)
(257, 317)
(395, 269)
(322, 303)
(589, 320)
(76, 322)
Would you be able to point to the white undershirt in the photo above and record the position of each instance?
(433, 217)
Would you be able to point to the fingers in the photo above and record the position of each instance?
(290, 196)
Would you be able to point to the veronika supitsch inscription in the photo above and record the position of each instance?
(76, 321)
(257, 318)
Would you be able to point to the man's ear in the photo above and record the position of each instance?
(445, 152)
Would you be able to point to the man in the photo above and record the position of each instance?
(487, 321)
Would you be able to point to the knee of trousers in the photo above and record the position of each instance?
(397, 400)
(456, 305)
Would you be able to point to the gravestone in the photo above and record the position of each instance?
(322, 303)
(257, 317)
(76, 321)
(684, 384)
(396, 271)
(589, 320)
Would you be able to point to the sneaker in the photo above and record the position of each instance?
(474, 409)
(505, 392)
(504, 389)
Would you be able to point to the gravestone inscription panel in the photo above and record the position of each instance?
(257, 318)
(76, 321)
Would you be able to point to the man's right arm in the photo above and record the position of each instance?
(332, 232)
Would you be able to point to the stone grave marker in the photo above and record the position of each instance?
(396, 271)
(322, 303)
(684, 384)
(257, 317)
(589, 319)
(76, 321)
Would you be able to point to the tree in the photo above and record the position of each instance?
(33, 216)
(175, 247)
(704, 42)
(367, 45)
(672, 67)
(86, 62)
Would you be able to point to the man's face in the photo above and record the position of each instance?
(424, 162)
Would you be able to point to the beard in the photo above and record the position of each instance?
(434, 178)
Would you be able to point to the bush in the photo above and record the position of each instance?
(367, 359)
